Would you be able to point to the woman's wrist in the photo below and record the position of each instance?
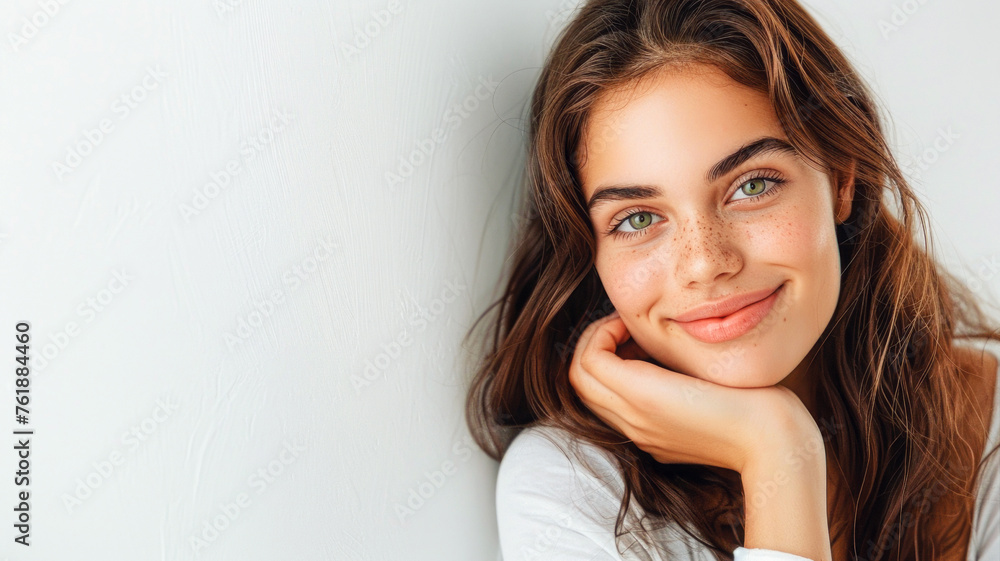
(785, 499)
(789, 428)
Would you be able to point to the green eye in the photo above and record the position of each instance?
(635, 224)
(754, 186)
(640, 220)
(758, 188)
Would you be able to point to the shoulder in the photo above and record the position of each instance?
(551, 458)
(558, 497)
(979, 362)
(547, 500)
(549, 441)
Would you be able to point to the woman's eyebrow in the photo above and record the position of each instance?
(758, 147)
(767, 144)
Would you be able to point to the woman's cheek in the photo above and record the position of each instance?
(634, 278)
(811, 238)
(789, 237)
(803, 242)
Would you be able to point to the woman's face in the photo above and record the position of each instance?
(707, 201)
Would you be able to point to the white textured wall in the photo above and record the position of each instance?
(238, 316)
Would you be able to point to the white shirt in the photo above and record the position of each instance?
(551, 508)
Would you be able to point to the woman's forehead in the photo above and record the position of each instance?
(685, 119)
(695, 91)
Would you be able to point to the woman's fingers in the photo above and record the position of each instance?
(609, 332)
(676, 418)
(630, 350)
(598, 364)
(600, 341)
(588, 387)
(609, 416)
(586, 381)
(621, 375)
(598, 354)
(647, 404)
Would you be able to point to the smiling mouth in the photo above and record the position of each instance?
(733, 325)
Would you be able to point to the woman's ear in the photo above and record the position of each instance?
(844, 193)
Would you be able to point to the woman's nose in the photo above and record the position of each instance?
(707, 252)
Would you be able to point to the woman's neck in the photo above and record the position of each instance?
(802, 381)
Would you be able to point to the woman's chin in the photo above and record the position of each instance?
(742, 379)
(730, 371)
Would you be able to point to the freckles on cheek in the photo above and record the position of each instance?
(790, 236)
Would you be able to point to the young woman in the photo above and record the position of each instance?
(717, 339)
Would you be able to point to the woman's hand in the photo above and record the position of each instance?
(678, 418)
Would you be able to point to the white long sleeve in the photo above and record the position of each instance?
(758, 554)
(985, 543)
(552, 508)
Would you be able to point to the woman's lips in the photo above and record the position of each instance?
(736, 324)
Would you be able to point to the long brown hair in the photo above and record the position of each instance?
(889, 378)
